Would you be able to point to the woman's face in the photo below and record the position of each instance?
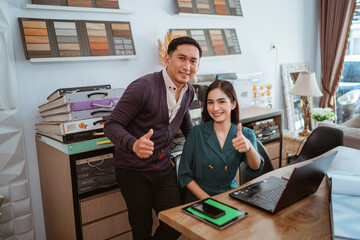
(219, 106)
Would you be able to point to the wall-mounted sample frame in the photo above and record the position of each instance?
(216, 7)
(50, 38)
(213, 42)
(113, 4)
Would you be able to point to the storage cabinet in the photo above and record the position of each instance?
(97, 214)
(249, 116)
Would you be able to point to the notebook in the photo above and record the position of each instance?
(274, 194)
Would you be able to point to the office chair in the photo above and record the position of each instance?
(321, 140)
(244, 176)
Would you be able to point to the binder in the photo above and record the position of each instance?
(78, 106)
(61, 91)
(78, 115)
(77, 147)
(75, 137)
(82, 97)
(61, 128)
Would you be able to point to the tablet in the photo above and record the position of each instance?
(231, 216)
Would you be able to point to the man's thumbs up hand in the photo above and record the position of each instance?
(241, 143)
(144, 147)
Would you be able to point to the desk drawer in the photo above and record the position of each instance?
(275, 162)
(273, 150)
(102, 205)
(107, 228)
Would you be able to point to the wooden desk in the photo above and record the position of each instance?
(307, 218)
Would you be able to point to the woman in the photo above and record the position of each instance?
(214, 150)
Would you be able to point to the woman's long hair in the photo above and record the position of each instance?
(229, 90)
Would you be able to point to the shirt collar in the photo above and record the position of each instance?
(169, 83)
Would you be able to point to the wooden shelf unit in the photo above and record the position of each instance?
(69, 215)
(254, 114)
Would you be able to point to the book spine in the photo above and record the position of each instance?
(81, 126)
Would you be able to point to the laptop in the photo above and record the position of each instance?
(274, 194)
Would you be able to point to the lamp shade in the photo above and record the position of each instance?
(306, 85)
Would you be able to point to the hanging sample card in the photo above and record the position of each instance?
(107, 4)
(199, 36)
(203, 6)
(46, 38)
(35, 38)
(122, 39)
(179, 33)
(79, 3)
(220, 7)
(98, 40)
(217, 7)
(213, 42)
(232, 41)
(50, 2)
(185, 6)
(235, 7)
(217, 42)
(67, 40)
(113, 4)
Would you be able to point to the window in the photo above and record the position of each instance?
(348, 93)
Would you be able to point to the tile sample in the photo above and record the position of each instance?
(232, 41)
(67, 39)
(217, 42)
(122, 39)
(98, 42)
(79, 3)
(203, 6)
(107, 4)
(36, 39)
(220, 7)
(179, 33)
(235, 7)
(50, 2)
(199, 36)
(185, 6)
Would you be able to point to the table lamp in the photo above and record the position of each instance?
(306, 86)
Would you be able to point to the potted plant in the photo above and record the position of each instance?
(321, 114)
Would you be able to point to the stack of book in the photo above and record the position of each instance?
(74, 117)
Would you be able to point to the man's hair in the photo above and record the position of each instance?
(180, 41)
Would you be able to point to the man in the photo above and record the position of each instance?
(142, 126)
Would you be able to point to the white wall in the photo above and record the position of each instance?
(291, 25)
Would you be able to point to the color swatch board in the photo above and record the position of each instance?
(217, 7)
(45, 38)
(113, 4)
(213, 42)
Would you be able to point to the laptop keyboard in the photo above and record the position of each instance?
(266, 199)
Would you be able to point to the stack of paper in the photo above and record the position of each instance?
(345, 204)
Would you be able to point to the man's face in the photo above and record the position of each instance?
(183, 64)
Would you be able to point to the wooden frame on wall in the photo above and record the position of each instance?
(113, 4)
(48, 38)
(215, 7)
(214, 42)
